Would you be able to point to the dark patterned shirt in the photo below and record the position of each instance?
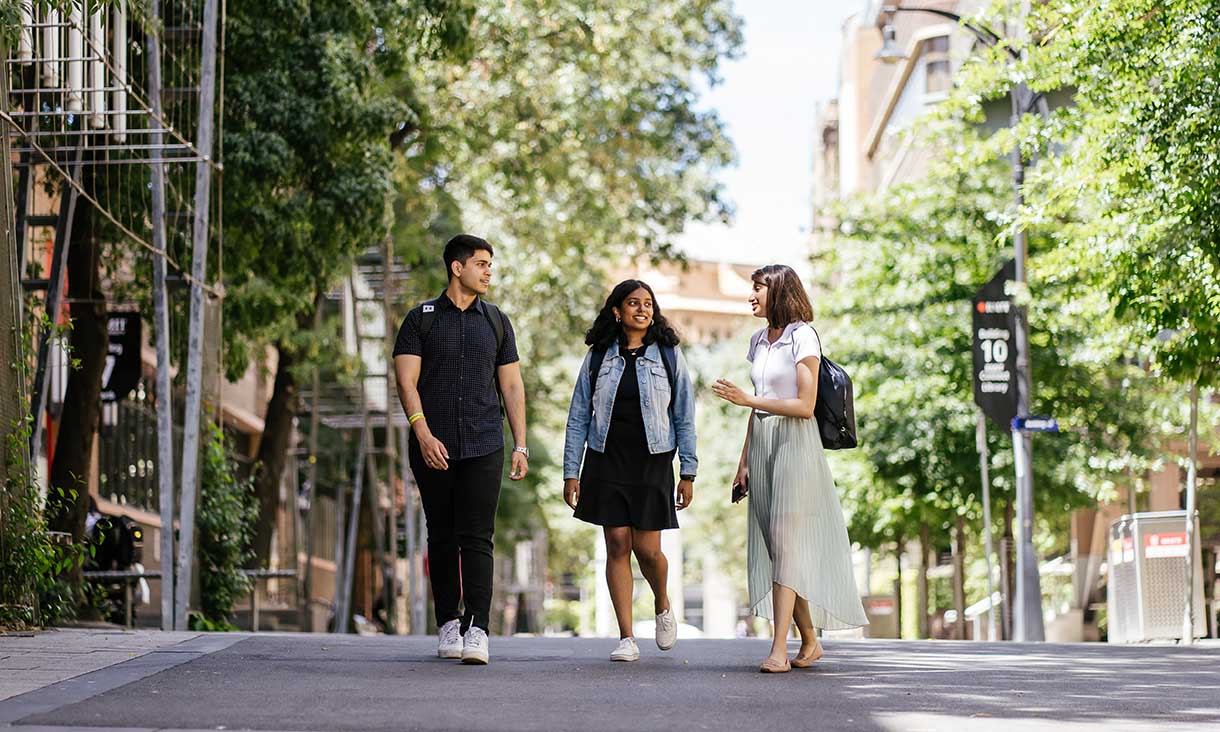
(457, 383)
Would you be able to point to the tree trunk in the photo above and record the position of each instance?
(73, 457)
(924, 541)
(959, 577)
(273, 453)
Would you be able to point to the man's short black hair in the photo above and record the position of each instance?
(461, 248)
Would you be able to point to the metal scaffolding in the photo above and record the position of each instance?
(114, 107)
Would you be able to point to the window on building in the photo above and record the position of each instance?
(937, 69)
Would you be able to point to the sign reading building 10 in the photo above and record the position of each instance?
(995, 353)
(994, 342)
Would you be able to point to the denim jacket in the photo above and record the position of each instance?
(589, 415)
(669, 419)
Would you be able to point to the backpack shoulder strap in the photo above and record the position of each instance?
(427, 318)
(818, 336)
(821, 349)
(495, 317)
(669, 357)
(596, 356)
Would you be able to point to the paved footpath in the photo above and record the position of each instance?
(143, 681)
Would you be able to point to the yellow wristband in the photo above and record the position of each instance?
(412, 419)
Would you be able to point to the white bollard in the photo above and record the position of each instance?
(97, 76)
(25, 44)
(76, 62)
(50, 49)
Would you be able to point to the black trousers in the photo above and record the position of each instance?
(460, 510)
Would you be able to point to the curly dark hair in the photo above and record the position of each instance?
(605, 331)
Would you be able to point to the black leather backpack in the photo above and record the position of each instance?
(834, 410)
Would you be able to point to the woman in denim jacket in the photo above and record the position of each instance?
(626, 421)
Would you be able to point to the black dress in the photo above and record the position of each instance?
(626, 485)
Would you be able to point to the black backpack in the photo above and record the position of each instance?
(669, 357)
(834, 410)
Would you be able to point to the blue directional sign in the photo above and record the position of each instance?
(1035, 424)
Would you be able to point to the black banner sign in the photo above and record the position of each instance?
(995, 349)
(122, 370)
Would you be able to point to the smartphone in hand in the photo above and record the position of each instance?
(739, 491)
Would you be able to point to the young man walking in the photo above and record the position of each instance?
(455, 357)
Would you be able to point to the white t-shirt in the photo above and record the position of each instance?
(773, 365)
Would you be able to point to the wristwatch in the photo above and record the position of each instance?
(524, 451)
(691, 478)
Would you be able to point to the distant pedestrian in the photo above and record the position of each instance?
(455, 357)
(632, 408)
(798, 553)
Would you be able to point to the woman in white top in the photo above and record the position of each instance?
(799, 557)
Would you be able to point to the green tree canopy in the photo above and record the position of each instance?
(1129, 184)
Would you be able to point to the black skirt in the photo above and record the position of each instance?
(627, 485)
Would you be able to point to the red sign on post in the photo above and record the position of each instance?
(1158, 546)
(881, 606)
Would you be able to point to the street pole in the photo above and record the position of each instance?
(1192, 474)
(191, 422)
(165, 394)
(985, 475)
(1027, 620)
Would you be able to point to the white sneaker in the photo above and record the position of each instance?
(476, 646)
(450, 645)
(627, 651)
(667, 630)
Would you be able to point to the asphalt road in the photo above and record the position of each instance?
(319, 682)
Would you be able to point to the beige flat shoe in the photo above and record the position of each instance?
(807, 661)
(770, 666)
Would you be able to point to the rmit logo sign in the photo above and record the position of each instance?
(1000, 307)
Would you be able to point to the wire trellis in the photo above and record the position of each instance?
(79, 92)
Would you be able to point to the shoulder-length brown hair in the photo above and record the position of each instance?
(786, 299)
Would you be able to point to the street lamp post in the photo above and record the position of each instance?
(1027, 609)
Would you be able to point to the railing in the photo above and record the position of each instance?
(127, 452)
(129, 579)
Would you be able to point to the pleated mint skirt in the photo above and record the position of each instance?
(797, 537)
